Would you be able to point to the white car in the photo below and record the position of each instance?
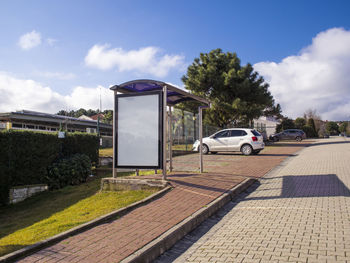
(247, 141)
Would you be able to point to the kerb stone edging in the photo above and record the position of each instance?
(165, 241)
(26, 251)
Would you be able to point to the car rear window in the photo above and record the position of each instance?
(256, 133)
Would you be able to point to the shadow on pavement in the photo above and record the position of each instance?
(295, 186)
(209, 188)
(313, 186)
(306, 144)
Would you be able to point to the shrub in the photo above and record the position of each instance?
(81, 143)
(69, 171)
(310, 132)
(26, 155)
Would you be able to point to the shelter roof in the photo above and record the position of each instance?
(174, 94)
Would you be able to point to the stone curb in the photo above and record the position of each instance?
(165, 241)
(26, 251)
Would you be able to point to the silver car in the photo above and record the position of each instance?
(247, 141)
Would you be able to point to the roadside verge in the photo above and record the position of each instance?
(81, 228)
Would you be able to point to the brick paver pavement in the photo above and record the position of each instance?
(111, 242)
(299, 213)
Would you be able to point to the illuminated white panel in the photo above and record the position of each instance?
(138, 131)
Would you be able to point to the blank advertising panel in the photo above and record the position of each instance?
(139, 130)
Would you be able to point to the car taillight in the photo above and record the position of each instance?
(255, 139)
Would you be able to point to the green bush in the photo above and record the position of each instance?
(310, 132)
(81, 143)
(4, 178)
(26, 155)
(70, 171)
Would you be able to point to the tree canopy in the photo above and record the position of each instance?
(108, 114)
(237, 93)
(332, 128)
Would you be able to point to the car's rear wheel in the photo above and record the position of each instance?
(247, 149)
(298, 139)
(205, 149)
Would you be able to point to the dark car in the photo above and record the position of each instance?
(289, 134)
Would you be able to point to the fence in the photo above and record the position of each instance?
(185, 129)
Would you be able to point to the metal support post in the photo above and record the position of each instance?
(200, 109)
(165, 93)
(170, 140)
(200, 140)
(114, 139)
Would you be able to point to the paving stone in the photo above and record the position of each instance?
(298, 213)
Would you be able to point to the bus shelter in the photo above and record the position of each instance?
(142, 124)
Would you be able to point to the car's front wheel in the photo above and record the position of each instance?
(298, 139)
(247, 149)
(205, 149)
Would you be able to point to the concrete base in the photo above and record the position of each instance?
(20, 193)
(124, 184)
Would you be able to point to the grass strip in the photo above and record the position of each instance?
(50, 213)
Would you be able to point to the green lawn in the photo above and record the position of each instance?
(50, 213)
(106, 152)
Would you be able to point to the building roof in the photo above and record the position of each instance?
(47, 117)
(174, 94)
(95, 117)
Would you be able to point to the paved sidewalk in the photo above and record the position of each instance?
(114, 241)
(299, 213)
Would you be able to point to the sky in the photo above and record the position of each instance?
(63, 54)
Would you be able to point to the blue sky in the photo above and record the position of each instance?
(60, 54)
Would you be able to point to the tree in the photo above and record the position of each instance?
(108, 117)
(343, 127)
(275, 111)
(285, 124)
(312, 114)
(312, 130)
(299, 123)
(332, 128)
(80, 112)
(237, 94)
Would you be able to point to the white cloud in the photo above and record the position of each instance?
(30, 40)
(318, 78)
(147, 60)
(89, 98)
(18, 94)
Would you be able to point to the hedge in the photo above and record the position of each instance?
(69, 171)
(26, 155)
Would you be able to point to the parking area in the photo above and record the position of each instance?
(235, 162)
